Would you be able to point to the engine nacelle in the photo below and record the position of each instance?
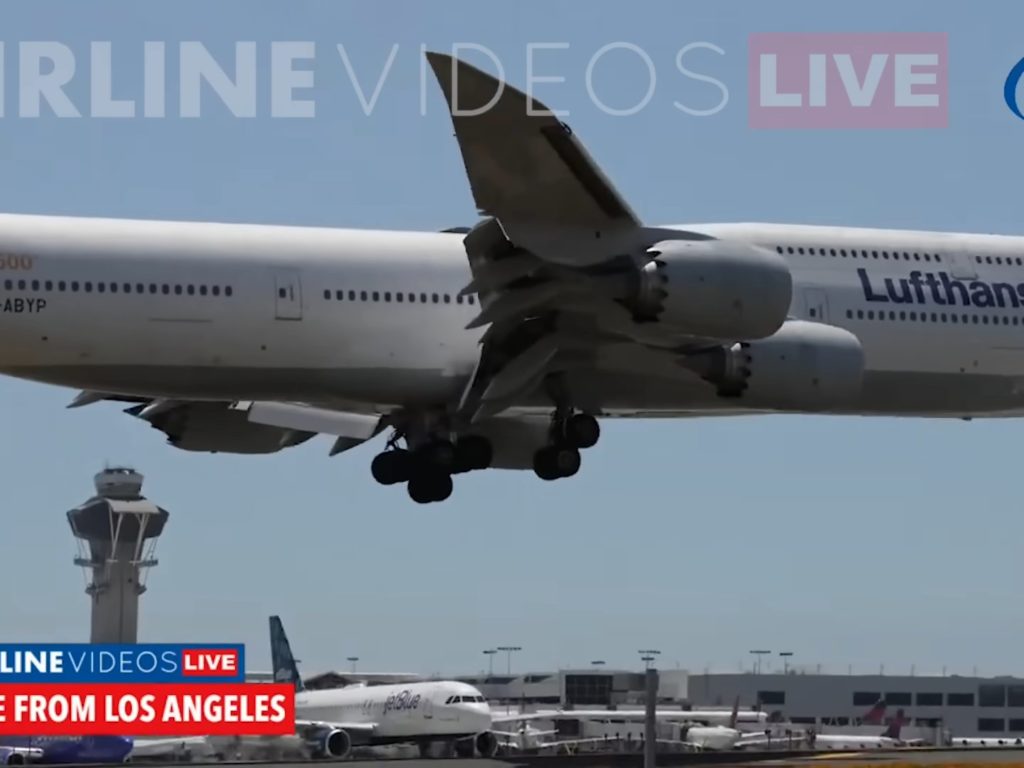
(804, 367)
(335, 743)
(214, 427)
(715, 289)
(486, 744)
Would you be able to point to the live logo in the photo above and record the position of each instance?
(209, 662)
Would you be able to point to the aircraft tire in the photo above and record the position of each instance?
(430, 486)
(391, 467)
(582, 431)
(556, 461)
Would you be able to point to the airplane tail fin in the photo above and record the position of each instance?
(735, 713)
(875, 715)
(895, 726)
(286, 670)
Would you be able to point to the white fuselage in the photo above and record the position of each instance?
(415, 711)
(367, 320)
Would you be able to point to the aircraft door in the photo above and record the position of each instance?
(815, 305)
(428, 708)
(288, 295)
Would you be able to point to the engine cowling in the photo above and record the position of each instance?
(334, 743)
(803, 367)
(715, 289)
(214, 427)
(487, 744)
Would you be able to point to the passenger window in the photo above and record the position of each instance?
(88, 287)
(61, 285)
(227, 290)
(280, 294)
(202, 290)
(434, 296)
(399, 296)
(101, 287)
(362, 295)
(387, 295)
(376, 295)
(49, 285)
(74, 285)
(351, 295)
(339, 295)
(216, 290)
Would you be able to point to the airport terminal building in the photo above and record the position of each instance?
(961, 706)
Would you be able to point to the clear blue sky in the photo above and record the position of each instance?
(847, 541)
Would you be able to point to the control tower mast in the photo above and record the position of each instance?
(116, 531)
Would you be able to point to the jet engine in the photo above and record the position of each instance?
(334, 743)
(214, 427)
(714, 288)
(803, 367)
(486, 744)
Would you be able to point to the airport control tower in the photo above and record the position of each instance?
(116, 532)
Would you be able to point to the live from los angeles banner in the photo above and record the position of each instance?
(143, 690)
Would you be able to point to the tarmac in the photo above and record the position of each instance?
(905, 757)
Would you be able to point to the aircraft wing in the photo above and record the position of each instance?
(558, 237)
(523, 162)
(305, 726)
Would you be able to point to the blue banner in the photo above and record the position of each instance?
(122, 663)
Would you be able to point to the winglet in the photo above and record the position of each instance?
(87, 397)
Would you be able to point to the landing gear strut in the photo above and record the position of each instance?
(428, 468)
(569, 434)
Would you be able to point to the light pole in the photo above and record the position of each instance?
(509, 650)
(785, 656)
(490, 660)
(757, 663)
(648, 655)
(352, 660)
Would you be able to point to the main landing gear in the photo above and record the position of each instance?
(428, 469)
(561, 456)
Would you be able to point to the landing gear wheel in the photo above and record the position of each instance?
(582, 431)
(556, 461)
(391, 467)
(473, 452)
(438, 455)
(426, 487)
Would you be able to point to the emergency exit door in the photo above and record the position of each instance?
(288, 295)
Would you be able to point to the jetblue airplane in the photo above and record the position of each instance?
(330, 722)
(54, 750)
(502, 344)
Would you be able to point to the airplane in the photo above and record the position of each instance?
(19, 755)
(716, 737)
(889, 738)
(697, 717)
(330, 722)
(526, 738)
(62, 750)
(503, 344)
